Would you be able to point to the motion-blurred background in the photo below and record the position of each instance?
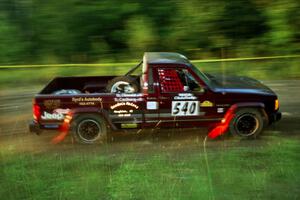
(74, 31)
(41, 39)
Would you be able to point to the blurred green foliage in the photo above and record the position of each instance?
(36, 31)
(276, 69)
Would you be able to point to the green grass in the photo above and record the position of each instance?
(260, 69)
(267, 169)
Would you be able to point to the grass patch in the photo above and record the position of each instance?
(266, 171)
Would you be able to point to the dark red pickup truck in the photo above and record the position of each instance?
(169, 92)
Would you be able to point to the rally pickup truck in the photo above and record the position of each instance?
(169, 92)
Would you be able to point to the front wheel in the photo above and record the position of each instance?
(89, 129)
(247, 123)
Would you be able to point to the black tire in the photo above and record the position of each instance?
(89, 129)
(122, 84)
(247, 123)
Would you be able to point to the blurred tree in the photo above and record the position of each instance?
(12, 47)
(52, 39)
(35, 31)
(141, 34)
(241, 22)
(294, 21)
(193, 27)
(283, 20)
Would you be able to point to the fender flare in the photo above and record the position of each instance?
(233, 108)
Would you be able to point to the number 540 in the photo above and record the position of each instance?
(185, 108)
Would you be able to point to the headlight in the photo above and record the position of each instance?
(276, 104)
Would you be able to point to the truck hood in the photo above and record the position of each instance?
(239, 84)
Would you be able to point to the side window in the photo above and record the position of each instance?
(169, 81)
(189, 81)
(177, 80)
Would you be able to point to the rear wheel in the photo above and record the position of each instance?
(89, 129)
(247, 123)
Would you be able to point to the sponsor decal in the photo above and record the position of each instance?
(52, 103)
(84, 101)
(185, 96)
(62, 111)
(128, 125)
(133, 105)
(152, 105)
(129, 95)
(123, 113)
(55, 116)
(128, 99)
(206, 104)
(222, 105)
(58, 114)
(220, 110)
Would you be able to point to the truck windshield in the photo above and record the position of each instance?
(205, 79)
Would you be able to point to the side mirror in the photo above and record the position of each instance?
(200, 89)
(186, 88)
(203, 89)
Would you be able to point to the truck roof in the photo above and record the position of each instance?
(165, 57)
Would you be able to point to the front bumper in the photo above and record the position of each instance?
(274, 117)
(34, 128)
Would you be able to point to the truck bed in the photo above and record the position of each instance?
(84, 84)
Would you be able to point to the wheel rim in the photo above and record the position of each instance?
(246, 124)
(89, 130)
(122, 86)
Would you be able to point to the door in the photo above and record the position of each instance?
(183, 101)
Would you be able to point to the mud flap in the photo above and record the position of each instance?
(223, 126)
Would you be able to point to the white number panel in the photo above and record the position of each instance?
(185, 108)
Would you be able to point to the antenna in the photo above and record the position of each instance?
(223, 66)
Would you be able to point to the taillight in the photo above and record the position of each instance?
(36, 111)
